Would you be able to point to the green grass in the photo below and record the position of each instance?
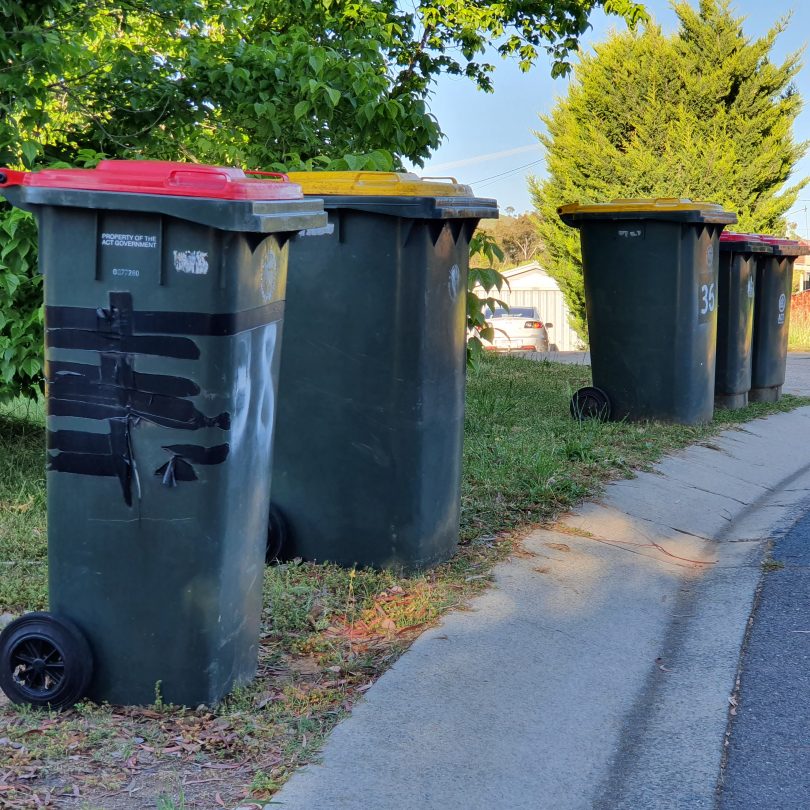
(769, 564)
(799, 333)
(327, 632)
(23, 539)
(525, 459)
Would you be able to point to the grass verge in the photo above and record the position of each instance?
(799, 330)
(327, 633)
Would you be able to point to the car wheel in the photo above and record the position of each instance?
(45, 661)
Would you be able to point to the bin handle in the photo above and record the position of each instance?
(279, 177)
(396, 177)
(10, 177)
(362, 174)
(441, 177)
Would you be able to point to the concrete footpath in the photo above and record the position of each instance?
(598, 671)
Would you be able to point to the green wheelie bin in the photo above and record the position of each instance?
(774, 284)
(164, 297)
(650, 272)
(367, 464)
(739, 253)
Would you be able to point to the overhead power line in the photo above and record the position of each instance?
(503, 174)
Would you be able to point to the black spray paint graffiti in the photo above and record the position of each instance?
(114, 392)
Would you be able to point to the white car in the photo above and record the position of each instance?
(520, 329)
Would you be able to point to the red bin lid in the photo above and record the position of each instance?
(733, 236)
(786, 247)
(733, 242)
(161, 177)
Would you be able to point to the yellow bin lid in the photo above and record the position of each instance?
(676, 208)
(378, 184)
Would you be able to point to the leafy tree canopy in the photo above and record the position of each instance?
(257, 81)
(704, 114)
(518, 238)
(277, 84)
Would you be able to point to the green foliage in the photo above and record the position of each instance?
(517, 235)
(20, 306)
(273, 84)
(703, 114)
(482, 245)
(294, 83)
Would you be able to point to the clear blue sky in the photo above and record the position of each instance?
(489, 134)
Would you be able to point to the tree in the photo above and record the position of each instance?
(275, 84)
(258, 81)
(517, 236)
(703, 114)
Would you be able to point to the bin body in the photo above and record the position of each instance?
(163, 328)
(650, 272)
(735, 317)
(371, 408)
(774, 282)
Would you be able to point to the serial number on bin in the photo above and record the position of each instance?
(126, 272)
(707, 301)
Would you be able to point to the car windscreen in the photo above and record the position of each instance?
(514, 312)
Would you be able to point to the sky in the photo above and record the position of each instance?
(489, 139)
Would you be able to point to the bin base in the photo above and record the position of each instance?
(731, 402)
(772, 394)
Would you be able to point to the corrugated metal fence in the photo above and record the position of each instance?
(552, 308)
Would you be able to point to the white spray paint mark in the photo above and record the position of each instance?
(453, 281)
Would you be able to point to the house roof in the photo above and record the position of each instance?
(522, 269)
(530, 276)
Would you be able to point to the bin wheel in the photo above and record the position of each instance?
(590, 403)
(277, 534)
(44, 661)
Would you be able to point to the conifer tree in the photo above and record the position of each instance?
(703, 114)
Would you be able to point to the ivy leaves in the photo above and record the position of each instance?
(21, 317)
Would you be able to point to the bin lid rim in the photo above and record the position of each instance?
(778, 240)
(741, 236)
(788, 247)
(161, 178)
(378, 184)
(643, 205)
(753, 242)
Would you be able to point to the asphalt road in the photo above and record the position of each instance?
(769, 751)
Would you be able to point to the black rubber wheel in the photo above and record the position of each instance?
(590, 403)
(44, 661)
(276, 535)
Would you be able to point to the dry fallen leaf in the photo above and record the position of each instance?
(305, 666)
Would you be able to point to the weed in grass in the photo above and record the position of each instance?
(263, 785)
(770, 564)
(579, 448)
(167, 803)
